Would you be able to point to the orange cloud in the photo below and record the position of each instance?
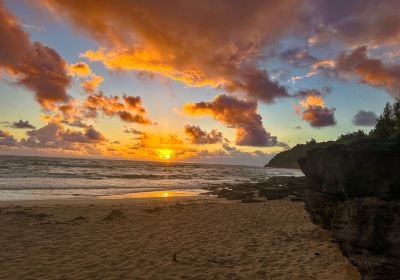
(193, 42)
(34, 65)
(313, 100)
(312, 109)
(130, 109)
(92, 84)
(371, 71)
(80, 69)
(235, 113)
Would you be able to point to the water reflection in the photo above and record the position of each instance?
(155, 194)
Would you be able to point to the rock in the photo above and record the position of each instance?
(274, 188)
(354, 190)
(251, 200)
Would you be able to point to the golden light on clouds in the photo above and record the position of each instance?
(165, 154)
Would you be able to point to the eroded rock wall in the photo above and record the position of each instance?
(354, 190)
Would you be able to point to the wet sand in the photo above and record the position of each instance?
(165, 238)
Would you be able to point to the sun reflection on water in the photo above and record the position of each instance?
(154, 194)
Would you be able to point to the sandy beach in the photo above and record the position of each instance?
(165, 238)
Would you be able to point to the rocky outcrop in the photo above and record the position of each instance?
(282, 187)
(354, 190)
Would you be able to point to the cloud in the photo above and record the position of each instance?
(4, 134)
(34, 65)
(357, 22)
(313, 110)
(133, 131)
(6, 139)
(15, 42)
(200, 137)
(197, 43)
(149, 143)
(239, 114)
(90, 135)
(129, 109)
(365, 118)
(54, 136)
(21, 125)
(370, 71)
(297, 56)
(91, 85)
(231, 155)
(80, 69)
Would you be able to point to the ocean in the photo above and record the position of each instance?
(36, 178)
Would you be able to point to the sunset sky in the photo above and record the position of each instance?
(221, 81)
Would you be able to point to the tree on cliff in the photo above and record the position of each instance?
(388, 124)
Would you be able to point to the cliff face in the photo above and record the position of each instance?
(354, 190)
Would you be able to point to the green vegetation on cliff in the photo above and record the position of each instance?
(288, 158)
(387, 127)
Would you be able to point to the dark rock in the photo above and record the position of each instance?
(354, 190)
(363, 170)
(274, 188)
(251, 200)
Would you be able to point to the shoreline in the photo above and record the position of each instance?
(106, 201)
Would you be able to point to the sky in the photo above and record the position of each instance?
(226, 81)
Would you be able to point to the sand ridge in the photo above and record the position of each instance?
(167, 239)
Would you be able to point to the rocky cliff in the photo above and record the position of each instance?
(289, 158)
(354, 190)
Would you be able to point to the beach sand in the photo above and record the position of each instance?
(165, 238)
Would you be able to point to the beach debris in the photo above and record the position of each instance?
(174, 259)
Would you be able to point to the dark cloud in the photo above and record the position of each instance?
(365, 118)
(313, 110)
(34, 65)
(209, 49)
(318, 116)
(133, 131)
(54, 136)
(90, 135)
(358, 22)
(15, 41)
(6, 139)
(200, 137)
(22, 125)
(230, 155)
(297, 57)
(239, 114)
(370, 71)
(44, 72)
(75, 123)
(3, 134)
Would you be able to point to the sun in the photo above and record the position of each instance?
(165, 154)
